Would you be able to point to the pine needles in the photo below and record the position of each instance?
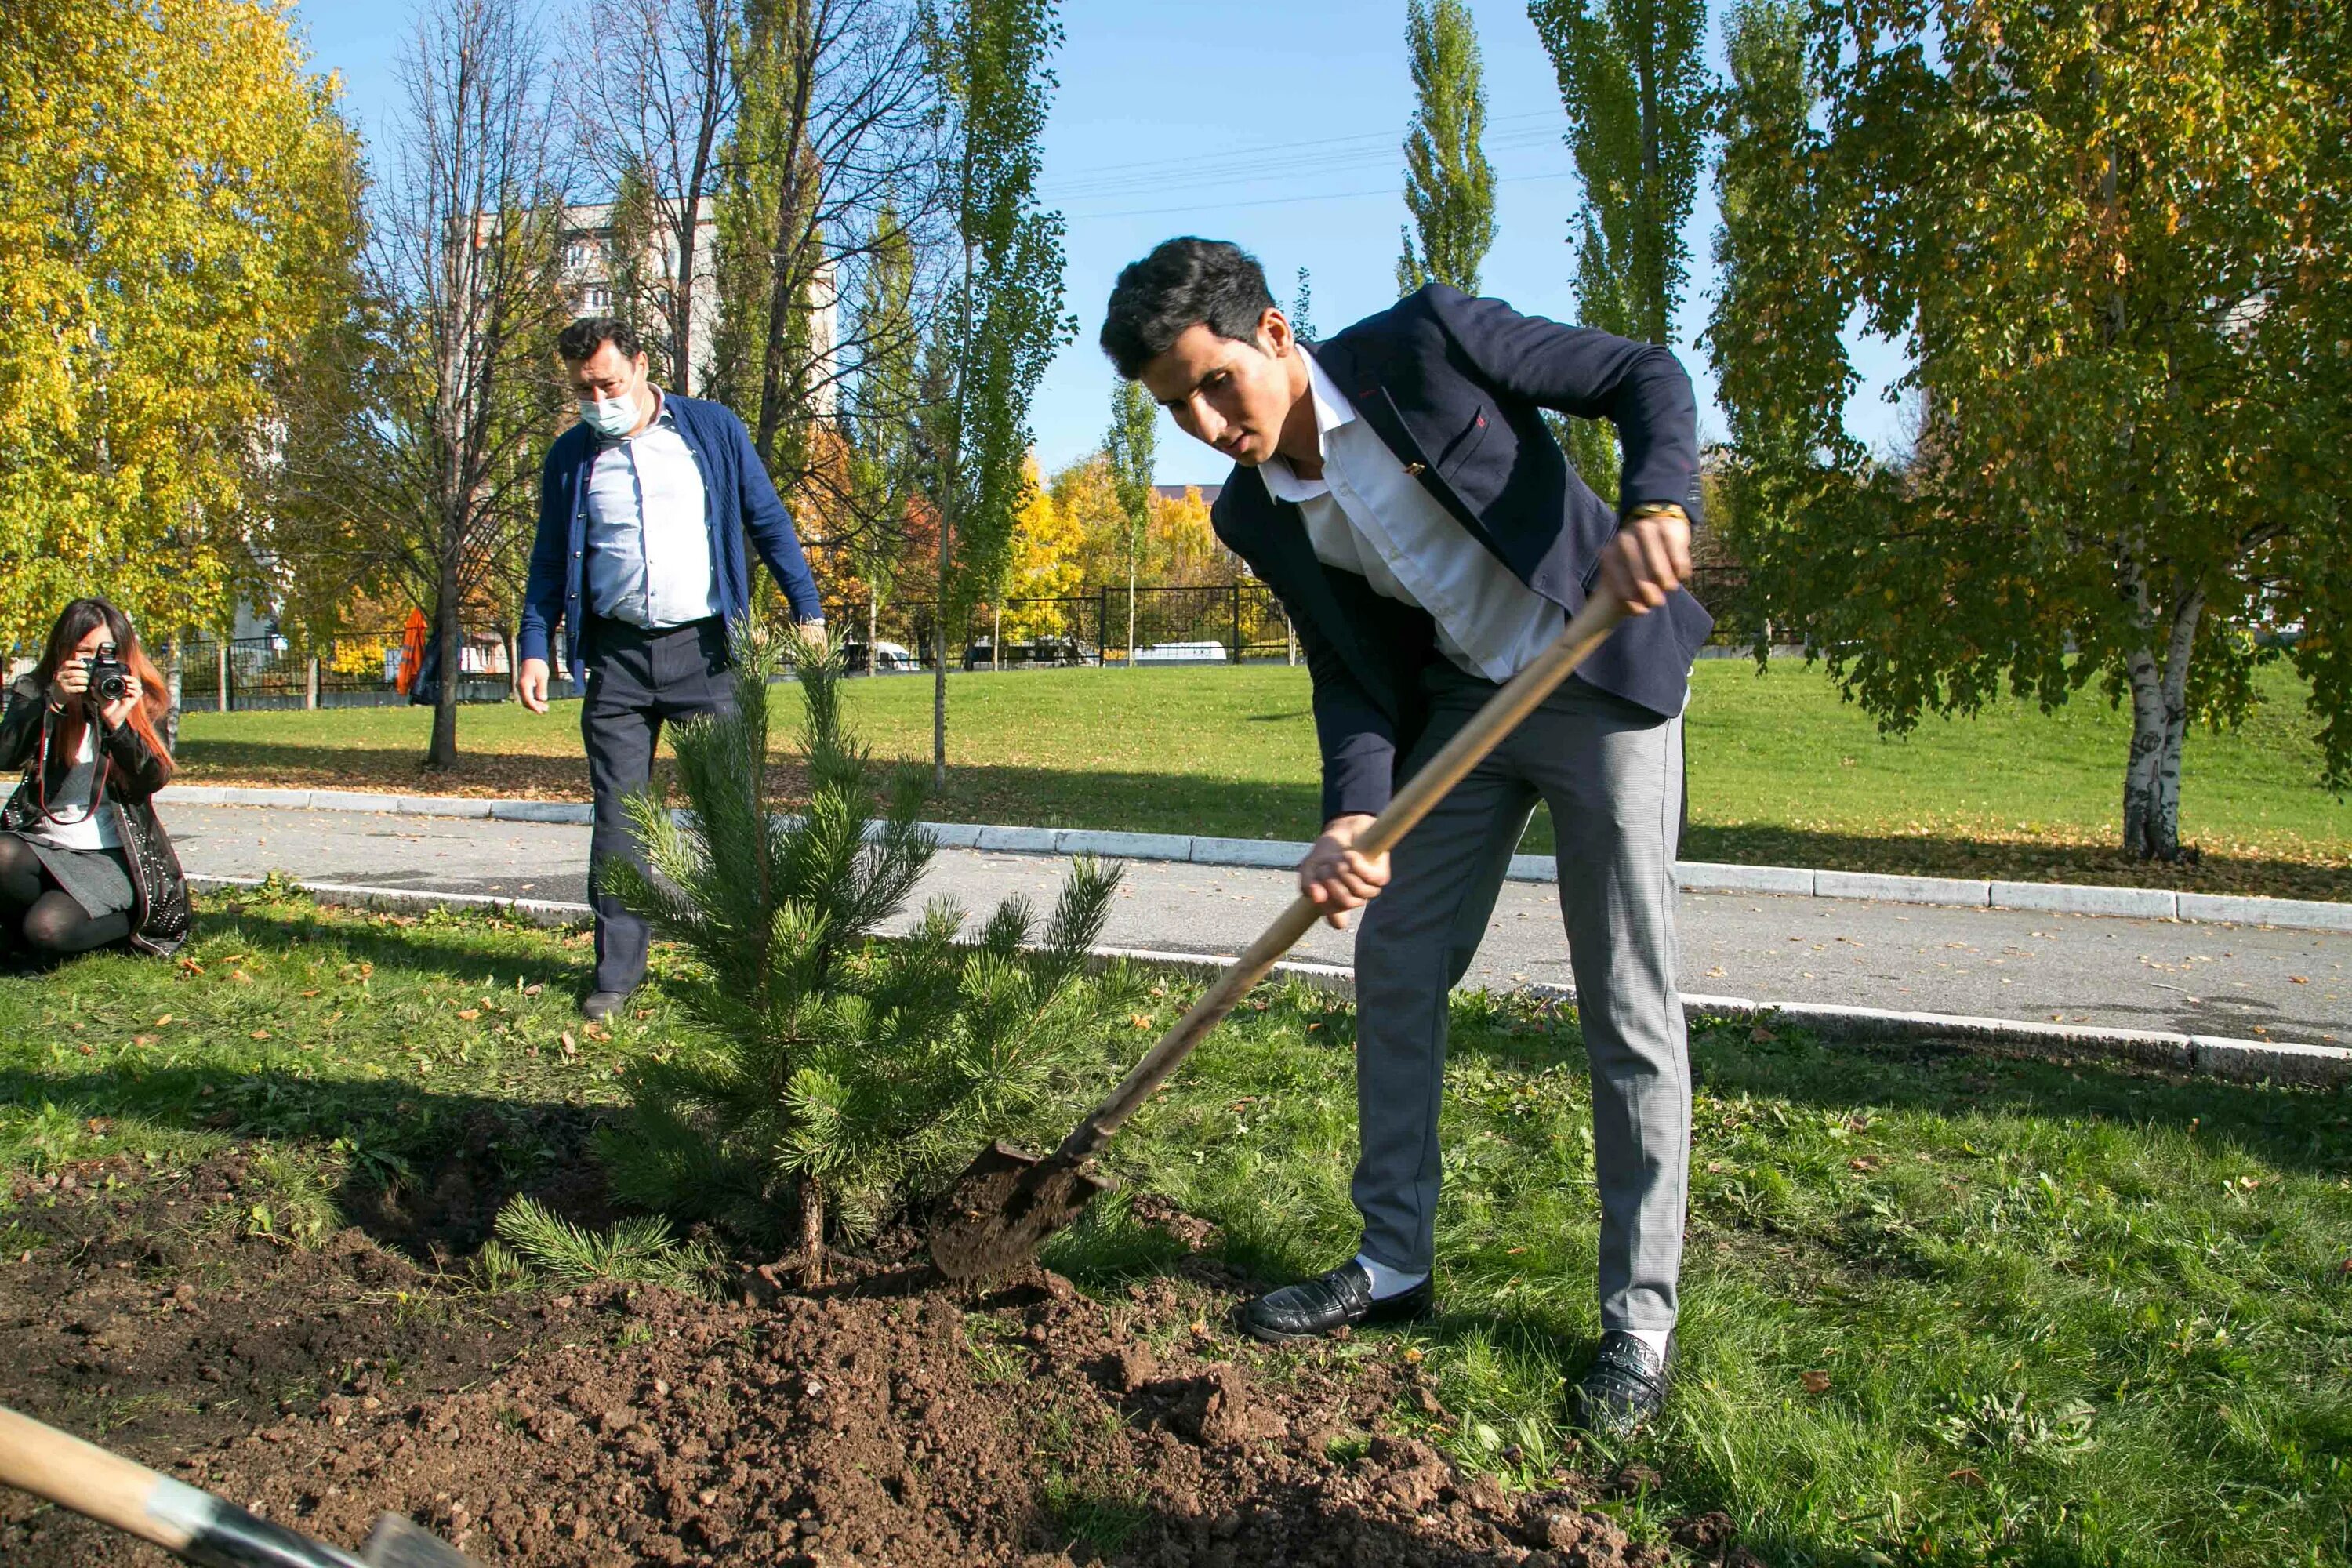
(853, 1074)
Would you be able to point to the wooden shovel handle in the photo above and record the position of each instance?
(1519, 697)
(111, 1490)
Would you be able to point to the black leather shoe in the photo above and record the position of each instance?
(1339, 1299)
(603, 1004)
(1624, 1389)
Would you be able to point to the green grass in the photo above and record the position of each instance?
(1938, 1308)
(1783, 772)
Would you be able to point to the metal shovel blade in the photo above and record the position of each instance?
(1006, 1203)
(395, 1542)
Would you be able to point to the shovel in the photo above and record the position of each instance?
(1007, 1202)
(190, 1524)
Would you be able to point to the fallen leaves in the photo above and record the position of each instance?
(1816, 1382)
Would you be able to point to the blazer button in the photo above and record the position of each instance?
(1414, 470)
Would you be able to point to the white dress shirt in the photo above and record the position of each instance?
(648, 544)
(1367, 516)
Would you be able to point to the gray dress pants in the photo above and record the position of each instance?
(1612, 772)
(637, 680)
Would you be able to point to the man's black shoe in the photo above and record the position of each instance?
(1339, 1299)
(1624, 1389)
(603, 1004)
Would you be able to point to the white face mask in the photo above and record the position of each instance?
(609, 417)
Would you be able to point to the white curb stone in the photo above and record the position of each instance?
(2079, 899)
(1878, 889)
(1712, 877)
(2307, 914)
(1533, 869)
(1019, 840)
(1266, 854)
(574, 811)
(237, 794)
(440, 805)
(2278, 1061)
(956, 834)
(351, 800)
(1123, 845)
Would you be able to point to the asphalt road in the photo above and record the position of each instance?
(2243, 981)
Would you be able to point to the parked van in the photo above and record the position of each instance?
(889, 658)
(1183, 653)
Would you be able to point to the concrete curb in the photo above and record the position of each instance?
(1270, 854)
(2208, 1056)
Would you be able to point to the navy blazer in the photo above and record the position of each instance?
(1457, 387)
(739, 500)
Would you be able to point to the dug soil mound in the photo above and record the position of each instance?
(889, 1421)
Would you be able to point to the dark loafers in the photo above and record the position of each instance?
(1340, 1300)
(1624, 1389)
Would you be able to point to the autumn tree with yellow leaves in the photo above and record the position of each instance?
(178, 209)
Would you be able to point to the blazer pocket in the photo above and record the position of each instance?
(1460, 446)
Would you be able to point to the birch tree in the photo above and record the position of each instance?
(1449, 186)
(2112, 237)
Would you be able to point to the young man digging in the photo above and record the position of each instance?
(1398, 488)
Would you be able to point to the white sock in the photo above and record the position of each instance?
(1388, 1281)
(1655, 1338)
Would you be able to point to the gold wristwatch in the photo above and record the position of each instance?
(1655, 508)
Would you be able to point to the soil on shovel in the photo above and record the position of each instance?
(885, 1421)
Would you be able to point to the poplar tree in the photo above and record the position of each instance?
(2112, 237)
(1449, 186)
(1634, 83)
(1134, 429)
(1001, 321)
(1302, 308)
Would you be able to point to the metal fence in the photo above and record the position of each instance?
(1223, 623)
(1218, 623)
(355, 670)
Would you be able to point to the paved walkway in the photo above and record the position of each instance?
(2102, 971)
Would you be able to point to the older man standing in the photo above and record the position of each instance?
(642, 509)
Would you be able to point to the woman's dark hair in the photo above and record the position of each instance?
(1184, 282)
(75, 623)
(585, 336)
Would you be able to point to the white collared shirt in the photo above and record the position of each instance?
(648, 546)
(1367, 516)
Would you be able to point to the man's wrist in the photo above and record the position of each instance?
(1642, 509)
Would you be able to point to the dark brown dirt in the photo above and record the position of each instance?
(886, 1422)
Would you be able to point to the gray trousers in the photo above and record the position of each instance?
(1612, 772)
(637, 680)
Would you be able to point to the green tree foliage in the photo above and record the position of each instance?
(850, 1075)
(1633, 81)
(178, 208)
(878, 415)
(2113, 236)
(1134, 430)
(1302, 308)
(1449, 186)
(1002, 321)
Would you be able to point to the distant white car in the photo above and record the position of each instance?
(1183, 652)
(889, 658)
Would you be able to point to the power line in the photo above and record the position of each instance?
(1147, 169)
(1288, 201)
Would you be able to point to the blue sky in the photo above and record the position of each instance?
(1274, 123)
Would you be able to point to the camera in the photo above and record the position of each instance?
(110, 678)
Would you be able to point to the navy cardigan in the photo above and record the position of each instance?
(1457, 388)
(739, 501)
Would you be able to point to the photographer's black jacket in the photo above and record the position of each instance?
(160, 916)
(1457, 388)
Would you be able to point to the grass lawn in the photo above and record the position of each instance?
(1782, 772)
(1938, 1308)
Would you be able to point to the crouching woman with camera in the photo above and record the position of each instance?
(83, 862)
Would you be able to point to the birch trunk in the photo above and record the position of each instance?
(2159, 697)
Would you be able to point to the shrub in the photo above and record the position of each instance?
(850, 1073)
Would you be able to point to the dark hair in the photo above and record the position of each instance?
(584, 337)
(73, 624)
(1184, 282)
